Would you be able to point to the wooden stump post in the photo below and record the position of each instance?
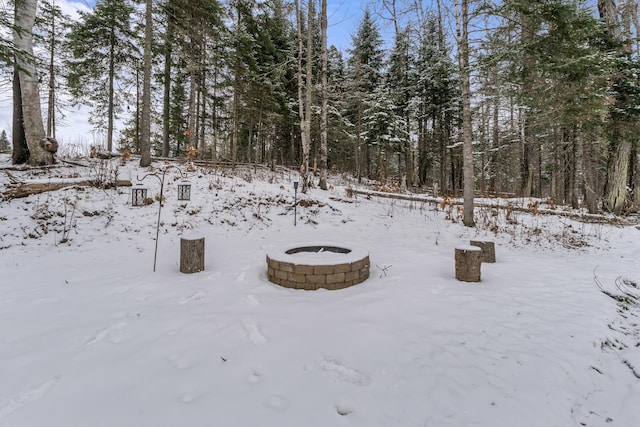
(488, 249)
(468, 261)
(191, 255)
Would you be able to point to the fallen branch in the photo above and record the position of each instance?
(25, 190)
(71, 162)
(537, 211)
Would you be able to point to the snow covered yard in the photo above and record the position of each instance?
(90, 336)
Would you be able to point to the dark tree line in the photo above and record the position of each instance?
(535, 98)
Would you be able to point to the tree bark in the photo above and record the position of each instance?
(51, 102)
(467, 147)
(166, 109)
(616, 197)
(324, 106)
(28, 189)
(305, 131)
(468, 260)
(20, 149)
(589, 166)
(145, 135)
(30, 125)
(619, 146)
(191, 255)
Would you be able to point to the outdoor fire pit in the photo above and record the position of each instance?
(315, 266)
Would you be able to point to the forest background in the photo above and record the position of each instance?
(543, 94)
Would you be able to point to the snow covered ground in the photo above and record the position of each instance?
(91, 336)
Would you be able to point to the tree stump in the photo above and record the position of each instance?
(191, 255)
(468, 261)
(488, 250)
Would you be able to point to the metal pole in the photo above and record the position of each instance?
(156, 174)
(295, 204)
(155, 254)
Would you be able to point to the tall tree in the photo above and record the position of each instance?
(324, 95)
(304, 88)
(364, 75)
(103, 45)
(29, 142)
(50, 30)
(145, 134)
(623, 114)
(465, 86)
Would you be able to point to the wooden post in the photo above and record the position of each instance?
(468, 261)
(488, 250)
(191, 255)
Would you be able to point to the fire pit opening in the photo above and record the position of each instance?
(318, 249)
(316, 266)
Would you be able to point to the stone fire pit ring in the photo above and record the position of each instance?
(313, 266)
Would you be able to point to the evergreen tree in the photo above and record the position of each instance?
(7, 48)
(436, 105)
(103, 46)
(4, 141)
(364, 75)
(51, 28)
(401, 82)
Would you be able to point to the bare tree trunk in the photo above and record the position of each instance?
(192, 119)
(111, 89)
(617, 171)
(39, 151)
(304, 96)
(145, 135)
(324, 106)
(166, 111)
(589, 166)
(636, 180)
(51, 102)
(620, 145)
(467, 148)
(20, 153)
(307, 99)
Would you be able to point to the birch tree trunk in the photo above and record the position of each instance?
(145, 135)
(34, 148)
(324, 107)
(467, 148)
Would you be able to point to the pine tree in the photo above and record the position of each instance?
(103, 46)
(51, 28)
(436, 104)
(401, 82)
(4, 141)
(7, 48)
(364, 75)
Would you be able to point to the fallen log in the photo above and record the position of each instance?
(29, 189)
(580, 216)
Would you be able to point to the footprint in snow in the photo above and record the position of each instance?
(253, 332)
(178, 361)
(241, 277)
(111, 332)
(252, 300)
(344, 373)
(255, 377)
(277, 402)
(193, 297)
(25, 397)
